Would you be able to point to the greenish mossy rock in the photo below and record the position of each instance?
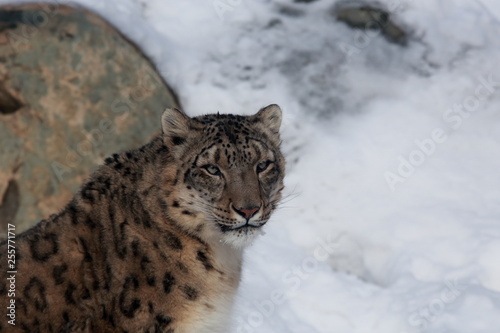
(73, 90)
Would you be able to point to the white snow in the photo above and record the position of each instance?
(392, 216)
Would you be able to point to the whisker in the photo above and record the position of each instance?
(284, 199)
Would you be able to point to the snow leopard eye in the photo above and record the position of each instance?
(212, 169)
(263, 166)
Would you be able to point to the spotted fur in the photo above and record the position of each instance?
(153, 240)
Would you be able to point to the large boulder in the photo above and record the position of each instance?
(72, 91)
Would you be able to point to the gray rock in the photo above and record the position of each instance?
(73, 90)
(370, 16)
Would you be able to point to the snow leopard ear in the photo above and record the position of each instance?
(270, 118)
(175, 126)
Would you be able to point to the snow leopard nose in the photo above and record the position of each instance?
(247, 212)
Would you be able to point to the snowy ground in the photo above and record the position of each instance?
(392, 223)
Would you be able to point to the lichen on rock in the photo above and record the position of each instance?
(73, 90)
